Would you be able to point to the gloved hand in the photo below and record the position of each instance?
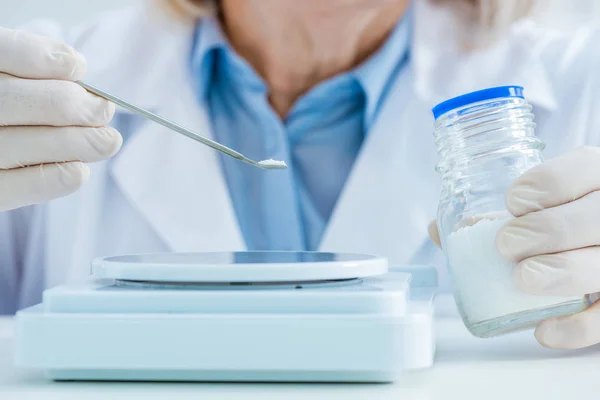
(555, 240)
(49, 125)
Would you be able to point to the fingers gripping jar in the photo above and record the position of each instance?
(485, 140)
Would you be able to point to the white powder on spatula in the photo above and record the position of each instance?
(273, 163)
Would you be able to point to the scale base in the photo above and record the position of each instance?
(374, 344)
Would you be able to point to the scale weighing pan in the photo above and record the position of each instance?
(239, 267)
(245, 316)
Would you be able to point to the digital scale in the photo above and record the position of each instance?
(248, 316)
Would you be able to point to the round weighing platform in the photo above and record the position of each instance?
(241, 267)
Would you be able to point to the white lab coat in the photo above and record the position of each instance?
(163, 192)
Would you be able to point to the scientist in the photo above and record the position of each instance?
(339, 89)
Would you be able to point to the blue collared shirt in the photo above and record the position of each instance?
(319, 139)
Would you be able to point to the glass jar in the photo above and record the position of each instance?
(485, 140)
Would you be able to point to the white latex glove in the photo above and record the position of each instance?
(555, 241)
(49, 126)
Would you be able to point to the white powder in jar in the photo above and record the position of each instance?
(483, 279)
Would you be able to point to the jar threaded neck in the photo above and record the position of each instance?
(467, 137)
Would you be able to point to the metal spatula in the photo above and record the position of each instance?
(265, 164)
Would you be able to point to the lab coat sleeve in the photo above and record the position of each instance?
(15, 229)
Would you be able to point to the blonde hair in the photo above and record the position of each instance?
(490, 17)
(189, 10)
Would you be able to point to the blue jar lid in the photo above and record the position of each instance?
(475, 97)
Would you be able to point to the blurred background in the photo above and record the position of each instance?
(561, 14)
(68, 12)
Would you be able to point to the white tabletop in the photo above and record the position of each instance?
(510, 367)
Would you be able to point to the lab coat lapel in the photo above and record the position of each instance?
(174, 182)
(393, 191)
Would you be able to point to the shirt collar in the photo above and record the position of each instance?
(375, 73)
(209, 37)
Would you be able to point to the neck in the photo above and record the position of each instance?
(294, 45)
